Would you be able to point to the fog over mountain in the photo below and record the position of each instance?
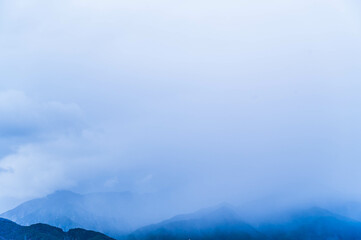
(190, 103)
(220, 222)
(132, 216)
(225, 223)
(112, 213)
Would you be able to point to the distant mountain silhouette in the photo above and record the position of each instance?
(221, 222)
(225, 223)
(347, 209)
(62, 209)
(313, 223)
(111, 213)
(116, 214)
(12, 231)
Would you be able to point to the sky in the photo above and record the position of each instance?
(203, 101)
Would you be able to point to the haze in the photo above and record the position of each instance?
(198, 101)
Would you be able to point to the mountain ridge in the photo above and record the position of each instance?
(223, 221)
(12, 231)
(66, 210)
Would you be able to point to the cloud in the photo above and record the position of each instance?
(48, 145)
(4, 170)
(27, 129)
(31, 172)
(205, 100)
(24, 117)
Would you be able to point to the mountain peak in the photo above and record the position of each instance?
(63, 193)
(225, 207)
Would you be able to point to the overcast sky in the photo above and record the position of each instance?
(208, 101)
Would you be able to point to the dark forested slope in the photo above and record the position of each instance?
(12, 231)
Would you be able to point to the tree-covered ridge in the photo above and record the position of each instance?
(12, 231)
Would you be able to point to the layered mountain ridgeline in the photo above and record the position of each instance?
(222, 222)
(12, 231)
(225, 223)
(114, 213)
(313, 223)
(219, 223)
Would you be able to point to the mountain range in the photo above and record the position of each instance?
(114, 213)
(225, 223)
(222, 222)
(67, 210)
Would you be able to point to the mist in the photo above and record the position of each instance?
(195, 102)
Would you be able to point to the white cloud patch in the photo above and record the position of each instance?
(31, 172)
(29, 131)
(22, 116)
